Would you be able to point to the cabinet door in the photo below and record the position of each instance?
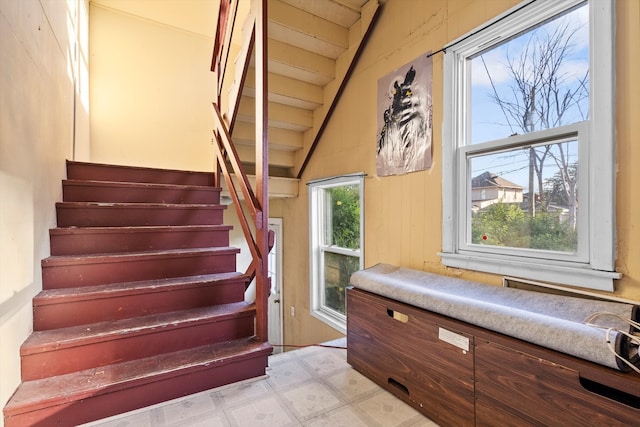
(514, 388)
(415, 355)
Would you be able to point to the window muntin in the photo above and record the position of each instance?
(592, 264)
(336, 240)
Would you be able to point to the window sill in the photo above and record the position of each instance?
(544, 271)
(338, 324)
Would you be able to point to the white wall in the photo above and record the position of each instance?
(151, 84)
(41, 57)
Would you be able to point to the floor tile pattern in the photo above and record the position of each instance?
(310, 387)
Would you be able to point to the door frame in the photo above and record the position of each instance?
(275, 310)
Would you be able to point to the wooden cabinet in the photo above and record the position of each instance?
(458, 374)
(397, 346)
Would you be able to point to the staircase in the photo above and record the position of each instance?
(313, 47)
(280, 68)
(141, 302)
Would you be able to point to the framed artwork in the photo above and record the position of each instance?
(405, 119)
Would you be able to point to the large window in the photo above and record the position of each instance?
(336, 219)
(528, 150)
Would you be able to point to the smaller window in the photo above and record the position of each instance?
(336, 225)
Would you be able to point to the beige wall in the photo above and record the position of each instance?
(151, 83)
(403, 213)
(42, 52)
(628, 149)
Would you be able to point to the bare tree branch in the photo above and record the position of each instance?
(542, 95)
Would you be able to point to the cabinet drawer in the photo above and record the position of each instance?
(420, 335)
(515, 388)
(416, 355)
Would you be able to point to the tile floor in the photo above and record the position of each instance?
(310, 387)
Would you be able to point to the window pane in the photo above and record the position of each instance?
(536, 80)
(342, 216)
(504, 212)
(337, 272)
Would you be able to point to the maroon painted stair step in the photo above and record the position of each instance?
(104, 172)
(99, 214)
(131, 192)
(79, 397)
(95, 240)
(91, 270)
(76, 348)
(141, 300)
(60, 308)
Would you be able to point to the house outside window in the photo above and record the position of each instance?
(336, 237)
(528, 147)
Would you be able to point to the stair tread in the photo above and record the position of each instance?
(147, 225)
(134, 184)
(57, 260)
(137, 229)
(56, 339)
(71, 387)
(51, 296)
(138, 205)
(92, 169)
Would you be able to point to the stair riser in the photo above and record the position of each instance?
(171, 337)
(115, 194)
(81, 242)
(119, 216)
(84, 274)
(133, 345)
(166, 387)
(132, 174)
(64, 313)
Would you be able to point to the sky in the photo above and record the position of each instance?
(488, 121)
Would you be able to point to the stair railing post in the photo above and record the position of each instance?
(217, 169)
(262, 171)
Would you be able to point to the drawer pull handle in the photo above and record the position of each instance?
(611, 393)
(397, 384)
(401, 317)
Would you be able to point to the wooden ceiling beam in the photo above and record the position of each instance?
(282, 139)
(300, 64)
(288, 91)
(334, 11)
(282, 116)
(302, 29)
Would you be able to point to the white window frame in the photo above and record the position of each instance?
(316, 189)
(594, 264)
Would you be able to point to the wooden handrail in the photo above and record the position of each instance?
(221, 31)
(224, 32)
(242, 63)
(235, 198)
(233, 157)
(227, 161)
